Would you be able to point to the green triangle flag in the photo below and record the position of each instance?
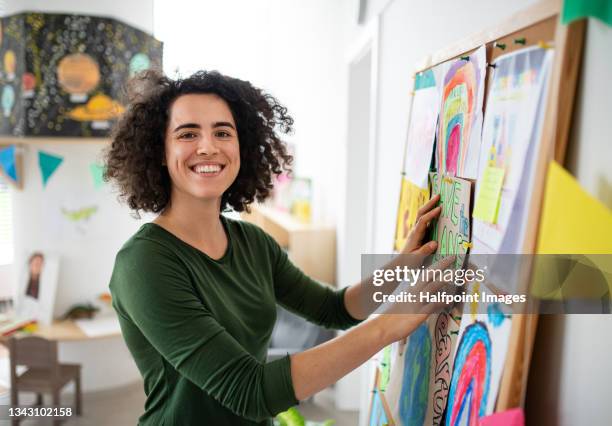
(48, 164)
(578, 9)
(97, 174)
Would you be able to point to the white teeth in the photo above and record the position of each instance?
(207, 168)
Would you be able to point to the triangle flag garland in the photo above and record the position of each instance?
(97, 174)
(8, 162)
(48, 164)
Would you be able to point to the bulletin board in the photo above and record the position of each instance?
(539, 28)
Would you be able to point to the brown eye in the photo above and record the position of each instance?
(187, 135)
(223, 134)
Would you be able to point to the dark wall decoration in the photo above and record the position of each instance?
(64, 75)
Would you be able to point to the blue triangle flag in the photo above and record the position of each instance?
(48, 164)
(7, 162)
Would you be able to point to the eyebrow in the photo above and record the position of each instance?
(197, 126)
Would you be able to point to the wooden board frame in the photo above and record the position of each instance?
(537, 25)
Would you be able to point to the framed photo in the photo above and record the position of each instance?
(36, 287)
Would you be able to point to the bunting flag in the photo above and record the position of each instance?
(97, 174)
(48, 164)
(578, 9)
(8, 162)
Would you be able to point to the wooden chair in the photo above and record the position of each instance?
(44, 374)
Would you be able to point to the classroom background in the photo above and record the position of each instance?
(344, 69)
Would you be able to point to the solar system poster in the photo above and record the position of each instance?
(65, 75)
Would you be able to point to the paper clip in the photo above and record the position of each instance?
(543, 45)
(465, 58)
(467, 244)
(492, 65)
(502, 46)
(447, 179)
(521, 40)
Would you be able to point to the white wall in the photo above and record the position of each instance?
(571, 372)
(85, 263)
(138, 13)
(291, 48)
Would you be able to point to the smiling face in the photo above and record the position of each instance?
(201, 148)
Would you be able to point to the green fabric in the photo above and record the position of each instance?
(199, 328)
(578, 9)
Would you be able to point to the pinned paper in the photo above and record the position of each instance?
(513, 417)
(97, 175)
(487, 201)
(572, 220)
(48, 164)
(578, 9)
(412, 199)
(8, 162)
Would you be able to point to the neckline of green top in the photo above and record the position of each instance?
(223, 259)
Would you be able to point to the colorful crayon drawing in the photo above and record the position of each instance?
(513, 120)
(412, 199)
(471, 377)
(478, 366)
(445, 331)
(452, 228)
(385, 368)
(422, 127)
(414, 396)
(461, 116)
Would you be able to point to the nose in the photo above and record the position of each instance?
(207, 146)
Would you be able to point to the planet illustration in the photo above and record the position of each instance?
(78, 73)
(10, 62)
(8, 100)
(139, 62)
(99, 108)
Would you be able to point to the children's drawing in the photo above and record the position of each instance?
(512, 121)
(452, 228)
(422, 127)
(414, 396)
(461, 116)
(412, 199)
(478, 365)
(378, 416)
(445, 331)
(471, 376)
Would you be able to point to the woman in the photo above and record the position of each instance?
(195, 291)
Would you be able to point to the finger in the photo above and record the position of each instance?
(427, 249)
(428, 205)
(444, 263)
(421, 225)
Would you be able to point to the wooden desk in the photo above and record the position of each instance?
(65, 330)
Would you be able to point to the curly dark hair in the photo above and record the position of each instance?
(134, 159)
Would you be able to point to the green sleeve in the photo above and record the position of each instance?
(151, 288)
(317, 302)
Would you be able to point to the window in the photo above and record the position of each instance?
(6, 225)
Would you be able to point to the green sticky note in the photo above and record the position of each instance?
(578, 9)
(489, 193)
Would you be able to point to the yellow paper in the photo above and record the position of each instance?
(489, 193)
(412, 198)
(578, 226)
(572, 220)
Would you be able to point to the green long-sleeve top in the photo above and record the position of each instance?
(199, 328)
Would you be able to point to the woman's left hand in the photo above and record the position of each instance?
(427, 213)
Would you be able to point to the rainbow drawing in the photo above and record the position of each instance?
(471, 378)
(457, 114)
